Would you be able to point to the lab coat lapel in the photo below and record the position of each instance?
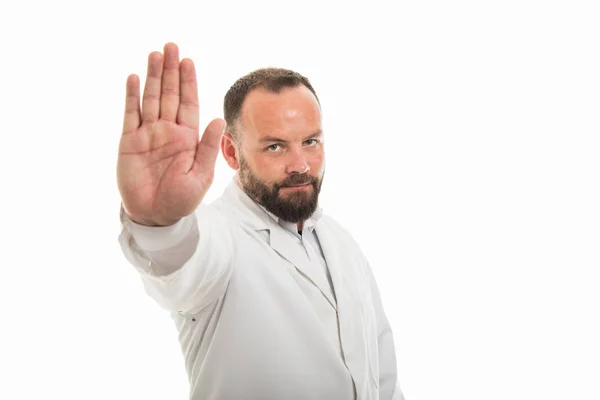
(282, 242)
(343, 264)
(332, 257)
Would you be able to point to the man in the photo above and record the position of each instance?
(272, 298)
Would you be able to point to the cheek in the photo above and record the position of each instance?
(316, 161)
(267, 168)
(262, 164)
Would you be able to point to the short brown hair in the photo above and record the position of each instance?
(271, 78)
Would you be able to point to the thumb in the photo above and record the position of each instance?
(208, 147)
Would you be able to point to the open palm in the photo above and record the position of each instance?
(163, 170)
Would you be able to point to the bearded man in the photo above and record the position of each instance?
(272, 298)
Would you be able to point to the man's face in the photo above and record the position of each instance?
(282, 157)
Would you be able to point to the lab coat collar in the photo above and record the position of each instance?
(255, 216)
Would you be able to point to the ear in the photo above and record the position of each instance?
(230, 151)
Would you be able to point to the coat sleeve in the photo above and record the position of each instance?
(186, 266)
(389, 386)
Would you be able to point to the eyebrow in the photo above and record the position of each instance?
(279, 140)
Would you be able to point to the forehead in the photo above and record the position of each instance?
(292, 111)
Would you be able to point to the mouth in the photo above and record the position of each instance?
(304, 185)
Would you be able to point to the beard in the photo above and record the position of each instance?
(296, 206)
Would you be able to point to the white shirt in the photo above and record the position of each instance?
(256, 308)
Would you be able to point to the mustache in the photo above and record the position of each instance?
(295, 180)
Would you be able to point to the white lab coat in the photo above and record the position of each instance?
(254, 317)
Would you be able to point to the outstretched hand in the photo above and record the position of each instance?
(163, 170)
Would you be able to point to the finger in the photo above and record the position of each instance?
(208, 147)
(151, 99)
(189, 109)
(169, 95)
(132, 118)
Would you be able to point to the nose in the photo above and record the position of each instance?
(298, 163)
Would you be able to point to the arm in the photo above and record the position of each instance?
(389, 386)
(164, 170)
(185, 266)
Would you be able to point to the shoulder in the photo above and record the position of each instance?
(337, 231)
(345, 245)
(326, 221)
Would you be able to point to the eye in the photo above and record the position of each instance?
(273, 147)
(311, 142)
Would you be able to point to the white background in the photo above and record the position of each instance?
(463, 153)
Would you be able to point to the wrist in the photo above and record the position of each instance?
(146, 221)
